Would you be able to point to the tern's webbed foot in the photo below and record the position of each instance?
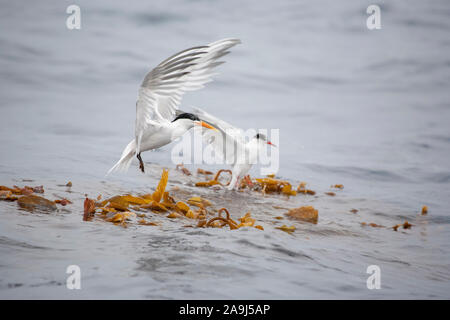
(141, 163)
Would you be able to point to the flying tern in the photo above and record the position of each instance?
(158, 119)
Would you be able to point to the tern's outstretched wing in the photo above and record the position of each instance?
(228, 142)
(162, 88)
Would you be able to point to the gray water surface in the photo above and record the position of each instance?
(367, 109)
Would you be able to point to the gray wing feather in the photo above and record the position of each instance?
(162, 88)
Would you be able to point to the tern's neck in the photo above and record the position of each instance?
(179, 127)
(254, 147)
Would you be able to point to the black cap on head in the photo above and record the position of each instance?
(261, 136)
(186, 115)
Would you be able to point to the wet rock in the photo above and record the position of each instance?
(33, 202)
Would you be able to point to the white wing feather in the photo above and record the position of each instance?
(228, 143)
(161, 91)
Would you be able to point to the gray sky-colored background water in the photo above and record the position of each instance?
(368, 109)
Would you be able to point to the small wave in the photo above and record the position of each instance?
(251, 244)
(388, 64)
(440, 177)
(328, 232)
(358, 172)
(388, 260)
(160, 18)
(440, 138)
(10, 242)
(290, 253)
(422, 24)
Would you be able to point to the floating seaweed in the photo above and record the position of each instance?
(287, 190)
(89, 209)
(219, 221)
(424, 210)
(159, 192)
(131, 208)
(287, 229)
(214, 181)
(405, 225)
(305, 213)
(63, 201)
(32, 202)
(302, 189)
(271, 185)
(204, 172)
(117, 208)
(27, 199)
(181, 168)
(174, 215)
(199, 202)
(264, 185)
(68, 184)
(373, 225)
(7, 195)
(147, 201)
(26, 190)
(144, 222)
(121, 217)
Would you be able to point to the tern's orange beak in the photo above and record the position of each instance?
(270, 143)
(204, 124)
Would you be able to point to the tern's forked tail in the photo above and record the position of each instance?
(125, 160)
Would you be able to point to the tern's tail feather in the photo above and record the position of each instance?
(125, 160)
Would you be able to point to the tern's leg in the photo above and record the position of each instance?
(233, 182)
(249, 180)
(141, 163)
(237, 182)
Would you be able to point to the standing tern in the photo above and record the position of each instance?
(230, 144)
(158, 120)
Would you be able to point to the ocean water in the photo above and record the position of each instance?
(367, 109)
